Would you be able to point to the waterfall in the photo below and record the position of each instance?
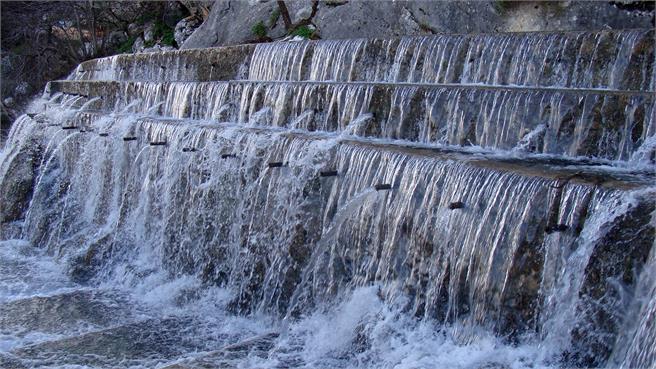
(444, 201)
(634, 349)
(576, 123)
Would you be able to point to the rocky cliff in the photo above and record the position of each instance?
(234, 22)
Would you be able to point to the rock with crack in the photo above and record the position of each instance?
(231, 22)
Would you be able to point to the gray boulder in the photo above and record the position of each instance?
(149, 32)
(117, 37)
(134, 29)
(138, 45)
(17, 175)
(9, 102)
(185, 28)
(230, 23)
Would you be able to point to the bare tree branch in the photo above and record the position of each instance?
(285, 15)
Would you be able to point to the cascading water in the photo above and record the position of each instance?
(286, 221)
(605, 125)
(610, 59)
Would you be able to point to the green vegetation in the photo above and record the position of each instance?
(164, 33)
(273, 18)
(335, 2)
(259, 30)
(145, 18)
(169, 39)
(303, 31)
(126, 46)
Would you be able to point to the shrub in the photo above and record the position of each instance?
(273, 18)
(126, 46)
(164, 33)
(259, 30)
(144, 18)
(303, 31)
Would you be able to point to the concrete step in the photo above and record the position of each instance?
(184, 137)
(609, 59)
(573, 122)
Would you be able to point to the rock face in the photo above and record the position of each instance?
(615, 263)
(185, 28)
(138, 45)
(19, 170)
(149, 32)
(231, 22)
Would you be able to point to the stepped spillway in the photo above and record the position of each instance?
(618, 60)
(443, 201)
(604, 124)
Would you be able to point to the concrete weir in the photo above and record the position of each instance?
(477, 200)
(575, 122)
